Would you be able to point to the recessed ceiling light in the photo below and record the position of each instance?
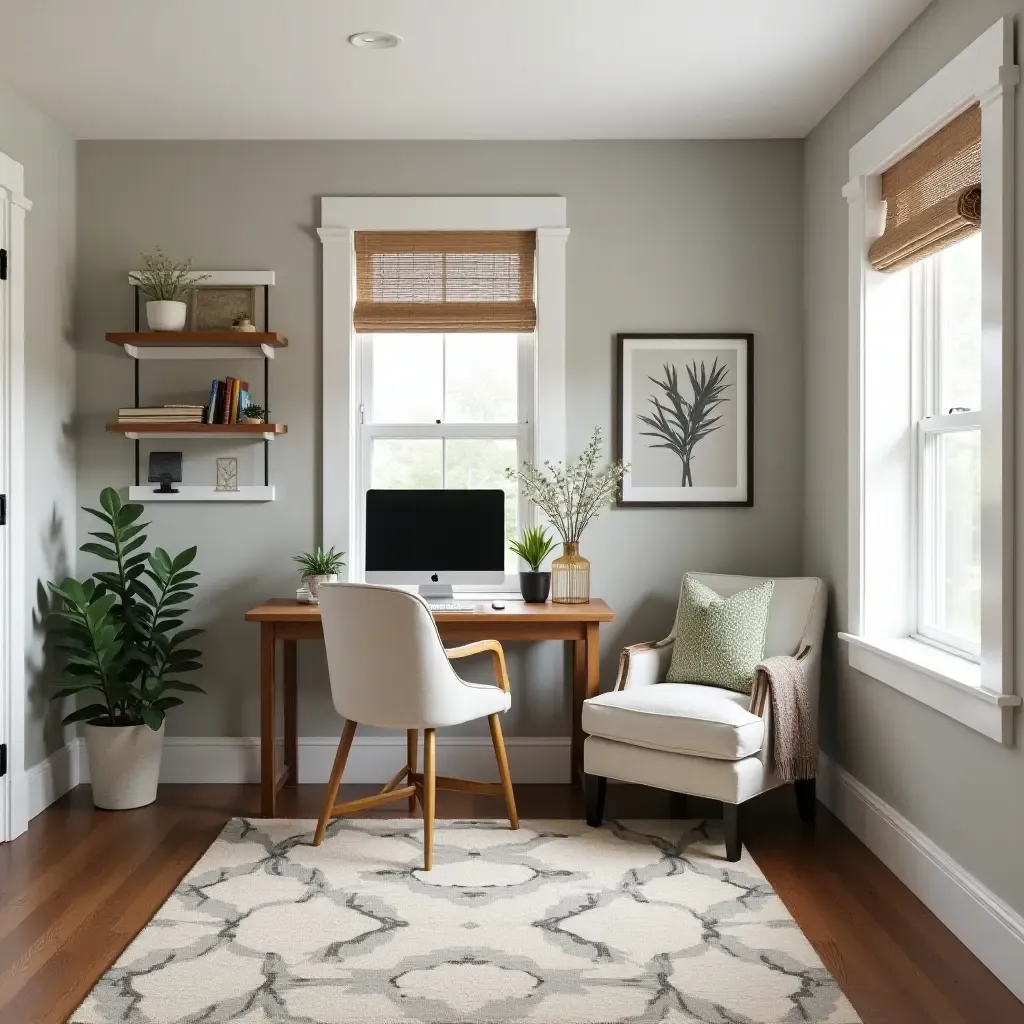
(375, 40)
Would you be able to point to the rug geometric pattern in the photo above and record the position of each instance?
(557, 923)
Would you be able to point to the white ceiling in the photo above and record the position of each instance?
(468, 69)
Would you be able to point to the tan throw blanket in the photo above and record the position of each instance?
(794, 733)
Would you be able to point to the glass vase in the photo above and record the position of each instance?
(570, 576)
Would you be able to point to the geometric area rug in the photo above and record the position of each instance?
(556, 923)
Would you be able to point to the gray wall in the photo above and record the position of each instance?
(665, 236)
(47, 153)
(960, 789)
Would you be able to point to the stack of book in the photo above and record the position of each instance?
(228, 401)
(162, 414)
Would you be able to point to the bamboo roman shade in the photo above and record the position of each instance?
(932, 196)
(445, 281)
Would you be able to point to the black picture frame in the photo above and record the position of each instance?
(621, 408)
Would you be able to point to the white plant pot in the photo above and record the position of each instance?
(247, 327)
(166, 316)
(251, 419)
(124, 764)
(313, 584)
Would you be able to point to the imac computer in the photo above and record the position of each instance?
(435, 539)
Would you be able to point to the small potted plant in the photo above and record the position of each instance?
(125, 653)
(241, 322)
(167, 284)
(254, 413)
(533, 548)
(319, 566)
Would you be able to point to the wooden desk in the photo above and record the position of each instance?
(286, 620)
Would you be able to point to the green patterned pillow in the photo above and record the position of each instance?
(719, 640)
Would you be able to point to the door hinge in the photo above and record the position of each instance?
(3, 264)
(3, 509)
(3, 759)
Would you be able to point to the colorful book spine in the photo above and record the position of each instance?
(235, 388)
(208, 416)
(218, 404)
(243, 401)
(225, 416)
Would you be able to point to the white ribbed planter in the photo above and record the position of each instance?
(166, 316)
(313, 584)
(124, 764)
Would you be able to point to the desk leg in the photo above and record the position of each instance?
(268, 702)
(586, 681)
(291, 724)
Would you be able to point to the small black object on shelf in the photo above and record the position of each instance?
(165, 469)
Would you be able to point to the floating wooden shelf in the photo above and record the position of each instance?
(256, 431)
(143, 493)
(198, 344)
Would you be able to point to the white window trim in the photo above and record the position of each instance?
(340, 218)
(882, 457)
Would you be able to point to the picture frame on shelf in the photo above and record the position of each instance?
(227, 474)
(684, 419)
(214, 307)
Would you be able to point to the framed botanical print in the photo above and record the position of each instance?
(685, 419)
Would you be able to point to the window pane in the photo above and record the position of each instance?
(406, 463)
(960, 325)
(407, 378)
(482, 463)
(481, 378)
(956, 605)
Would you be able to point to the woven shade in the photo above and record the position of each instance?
(445, 281)
(932, 196)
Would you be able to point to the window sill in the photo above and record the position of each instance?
(949, 684)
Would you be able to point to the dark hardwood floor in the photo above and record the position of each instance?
(82, 883)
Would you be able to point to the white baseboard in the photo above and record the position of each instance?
(236, 759)
(54, 776)
(991, 929)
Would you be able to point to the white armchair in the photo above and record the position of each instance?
(701, 740)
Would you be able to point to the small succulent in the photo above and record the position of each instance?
(534, 547)
(240, 318)
(320, 562)
(255, 412)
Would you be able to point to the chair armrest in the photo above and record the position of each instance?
(480, 647)
(644, 664)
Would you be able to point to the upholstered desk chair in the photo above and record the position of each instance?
(701, 740)
(389, 668)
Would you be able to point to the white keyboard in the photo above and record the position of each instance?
(450, 606)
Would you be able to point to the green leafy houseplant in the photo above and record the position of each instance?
(534, 547)
(163, 280)
(320, 562)
(120, 634)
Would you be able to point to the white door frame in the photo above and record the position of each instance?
(13, 207)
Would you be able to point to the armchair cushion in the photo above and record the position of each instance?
(719, 640)
(682, 718)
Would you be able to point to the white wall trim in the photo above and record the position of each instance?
(13, 625)
(54, 776)
(340, 218)
(881, 515)
(989, 927)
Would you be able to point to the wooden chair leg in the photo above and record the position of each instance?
(412, 743)
(596, 787)
(503, 773)
(429, 774)
(340, 758)
(733, 840)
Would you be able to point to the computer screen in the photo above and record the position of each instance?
(435, 537)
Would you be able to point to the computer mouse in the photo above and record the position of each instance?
(498, 605)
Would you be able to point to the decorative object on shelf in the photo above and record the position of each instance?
(165, 469)
(686, 419)
(319, 566)
(243, 322)
(533, 548)
(168, 285)
(227, 474)
(215, 308)
(254, 413)
(571, 496)
(121, 641)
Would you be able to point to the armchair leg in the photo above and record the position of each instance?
(596, 787)
(347, 735)
(806, 799)
(413, 760)
(503, 773)
(731, 823)
(429, 776)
